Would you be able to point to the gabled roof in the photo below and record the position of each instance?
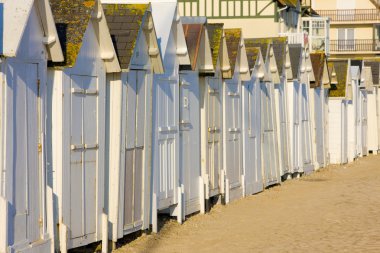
(71, 19)
(262, 43)
(233, 40)
(215, 34)
(318, 61)
(367, 78)
(295, 52)
(256, 63)
(124, 22)
(341, 70)
(279, 49)
(375, 68)
(15, 16)
(253, 54)
(193, 36)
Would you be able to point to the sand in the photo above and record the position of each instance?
(336, 209)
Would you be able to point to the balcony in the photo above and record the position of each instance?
(351, 15)
(349, 46)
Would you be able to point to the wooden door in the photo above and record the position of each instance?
(268, 135)
(253, 173)
(83, 156)
(305, 128)
(364, 121)
(214, 142)
(296, 127)
(27, 201)
(167, 117)
(134, 150)
(283, 128)
(233, 134)
(319, 126)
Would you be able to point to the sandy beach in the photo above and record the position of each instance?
(336, 209)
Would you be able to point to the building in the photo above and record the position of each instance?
(355, 27)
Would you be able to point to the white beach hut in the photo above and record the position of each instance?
(299, 118)
(28, 40)
(353, 116)
(339, 94)
(232, 115)
(76, 116)
(253, 173)
(373, 107)
(211, 109)
(129, 118)
(198, 46)
(320, 88)
(366, 86)
(269, 137)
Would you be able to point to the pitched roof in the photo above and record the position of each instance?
(317, 61)
(233, 38)
(215, 34)
(341, 68)
(124, 22)
(252, 55)
(295, 52)
(262, 43)
(71, 19)
(279, 49)
(375, 67)
(193, 35)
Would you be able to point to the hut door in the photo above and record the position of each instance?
(344, 131)
(305, 127)
(296, 122)
(319, 125)
(84, 156)
(214, 132)
(134, 153)
(254, 173)
(167, 103)
(283, 127)
(233, 139)
(364, 122)
(27, 166)
(268, 138)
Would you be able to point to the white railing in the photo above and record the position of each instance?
(295, 38)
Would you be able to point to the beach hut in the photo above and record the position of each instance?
(129, 118)
(373, 107)
(353, 116)
(299, 104)
(339, 94)
(211, 116)
(28, 40)
(269, 137)
(232, 115)
(366, 86)
(253, 173)
(76, 117)
(320, 88)
(198, 46)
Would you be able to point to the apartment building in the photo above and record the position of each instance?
(354, 27)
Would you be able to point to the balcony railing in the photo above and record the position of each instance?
(355, 45)
(295, 38)
(351, 15)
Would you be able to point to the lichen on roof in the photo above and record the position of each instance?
(124, 23)
(71, 19)
(215, 34)
(341, 68)
(295, 53)
(233, 39)
(262, 43)
(318, 63)
(252, 55)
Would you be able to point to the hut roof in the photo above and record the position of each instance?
(262, 43)
(252, 56)
(233, 38)
(317, 61)
(71, 19)
(193, 35)
(340, 68)
(375, 67)
(215, 34)
(295, 52)
(124, 22)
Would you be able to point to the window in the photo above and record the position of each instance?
(346, 39)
